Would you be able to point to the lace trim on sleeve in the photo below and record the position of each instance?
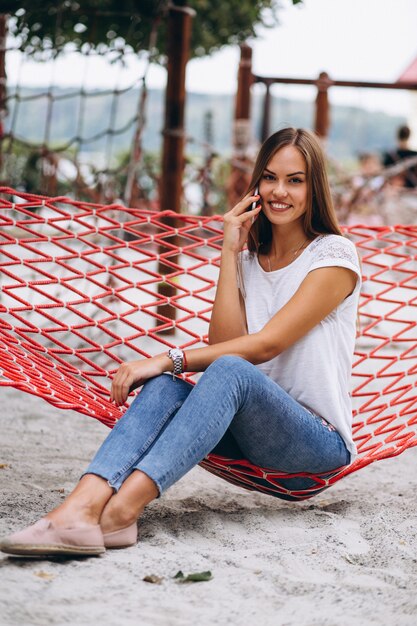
(334, 248)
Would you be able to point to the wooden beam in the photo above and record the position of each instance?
(170, 191)
(179, 34)
(241, 129)
(322, 115)
(239, 177)
(266, 118)
(336, 83)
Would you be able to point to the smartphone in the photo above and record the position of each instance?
(255, 203)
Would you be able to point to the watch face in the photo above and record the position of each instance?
(175, 353)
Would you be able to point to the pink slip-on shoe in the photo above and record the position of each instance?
(122, 538)
(45, 539)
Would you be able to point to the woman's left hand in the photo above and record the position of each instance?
(133, 374)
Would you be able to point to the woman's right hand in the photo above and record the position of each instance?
(237, 223)
(133, 374)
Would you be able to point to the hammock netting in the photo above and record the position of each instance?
(87, 286)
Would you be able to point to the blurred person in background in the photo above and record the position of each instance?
(409, 177)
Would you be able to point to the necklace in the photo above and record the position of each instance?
(296, 251)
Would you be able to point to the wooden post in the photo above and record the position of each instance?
(206, 208)
(241, 130)
(322, 118)
(3, 83)
(239, 176)
(266, 118)
(179, 35)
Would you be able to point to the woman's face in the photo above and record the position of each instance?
(283, 187)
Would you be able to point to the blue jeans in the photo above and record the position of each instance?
(172, 425)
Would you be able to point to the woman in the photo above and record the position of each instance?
(276, 372)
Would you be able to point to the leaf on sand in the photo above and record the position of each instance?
(153, 578)
(42, 574)
(199, 577)
(4, 465)
(195, 577)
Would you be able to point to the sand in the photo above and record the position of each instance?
(347, 556)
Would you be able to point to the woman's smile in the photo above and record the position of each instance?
(279, 206)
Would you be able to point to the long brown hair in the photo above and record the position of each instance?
(320, 217)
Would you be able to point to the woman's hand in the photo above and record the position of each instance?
(133, 374)
(237, 223)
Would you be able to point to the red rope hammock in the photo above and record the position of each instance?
(85, 287)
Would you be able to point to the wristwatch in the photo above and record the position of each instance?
(177, 357)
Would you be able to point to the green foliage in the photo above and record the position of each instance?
(219, 23)
(45, 27)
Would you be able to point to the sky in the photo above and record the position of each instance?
(370, 40)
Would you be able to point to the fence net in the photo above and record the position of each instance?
(64, 135)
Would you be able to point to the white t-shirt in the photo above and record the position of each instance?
(316, 370)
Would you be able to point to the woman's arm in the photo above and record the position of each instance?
(319, 294)
(228, 318)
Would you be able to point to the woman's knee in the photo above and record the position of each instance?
(229, 367)
(229, 363)
(163, 387)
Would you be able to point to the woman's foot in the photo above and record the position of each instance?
(70, 529)
(122, 538)
(119, 518)
(44, 538)
(119, 523)
(85, 504)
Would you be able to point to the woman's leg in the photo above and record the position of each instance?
(172, 426)
(131, 437)
(124, 508)
(73, 527)
(270, 427)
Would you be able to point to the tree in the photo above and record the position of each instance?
(44, 27)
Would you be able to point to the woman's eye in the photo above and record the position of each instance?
(295, 180)
(268, 177)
